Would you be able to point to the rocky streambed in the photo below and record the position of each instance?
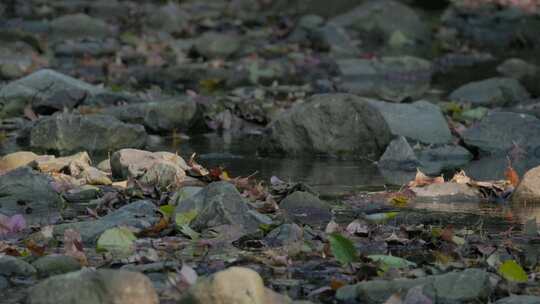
(269, 152)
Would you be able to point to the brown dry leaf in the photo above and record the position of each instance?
(511, 175)
(461, 178)
(447, 234)
(36, 249)
(423, 180)
(195, 168)
(158, 227)
(73, 246)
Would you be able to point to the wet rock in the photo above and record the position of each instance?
(528, 190)
(88, 47)
(235, 285)
(446, 157)
(337, 40)
(134, 163)
(15, 160)
(12, 266)
(219, 204)
(78, 26)
(491, 27)
(95, 132)
(306, 209)
(158, 117)
(517, 68)
(519, 299)
(455, 287)
(169, 18)
(420, 121)
(139, 215)
(40, 85)
(500, 132)
(94, 287)
(446, 192)
(406, 32)
(55, 264)
(399, 156)
(331, 124)
(286, 234)
(214, 45)
(389, 78)
(491, 92)
(30, 193)
(4, 283)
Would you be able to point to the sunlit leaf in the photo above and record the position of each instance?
(119, 241)
(512, 271)
(381, 217)
(342, 248)
(185, 218)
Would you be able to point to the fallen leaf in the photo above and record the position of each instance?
(423, 180)
(512, 271)
(461, 178)
(11, 224)
(73, 246)
(119, 241)
(389, 261)
(342, 248)
(511, 175)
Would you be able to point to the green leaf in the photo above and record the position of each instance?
(167, 210)
(119, 241)
(381, 217)
(186, 218)
(185, 229)
(391, 261)
(342, 248)
(512, 271)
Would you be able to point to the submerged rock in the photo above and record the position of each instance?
(471, 285)
(331, 124)
(88, 286)
(420, 121)
(72, 132)
(491, 92)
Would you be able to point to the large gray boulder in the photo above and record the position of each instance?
(331, 124)
(30, 193)
(491, 92)
(103, 286)
(500, 132)
(39, 86)
(389, 78)
(72, 132)
(219, 204)
(471, 285)
(420, 121)
(158, 116)
(306, 209)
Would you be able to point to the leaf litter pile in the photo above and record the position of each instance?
(297, 249)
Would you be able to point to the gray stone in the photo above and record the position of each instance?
(168, 18)
(12, 266)
(491, 92)
(389, 78)
(338, 41)
(139, 215)
(158, 117)
(518, 299)
(286, 234)
(30, 193)
(331, 124)
(471, 285)
(517, 68)
(78, 26)
(40, 85)
(447, 157)
(500, 132)
(306, 209)
(399, 156)
(217, 45)
(104, 286)
(420, 121)
(4, 283)
(95, 132)
(448, 192)
(218, 204)
(528, 190)
(55, 264)
(134, 163)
